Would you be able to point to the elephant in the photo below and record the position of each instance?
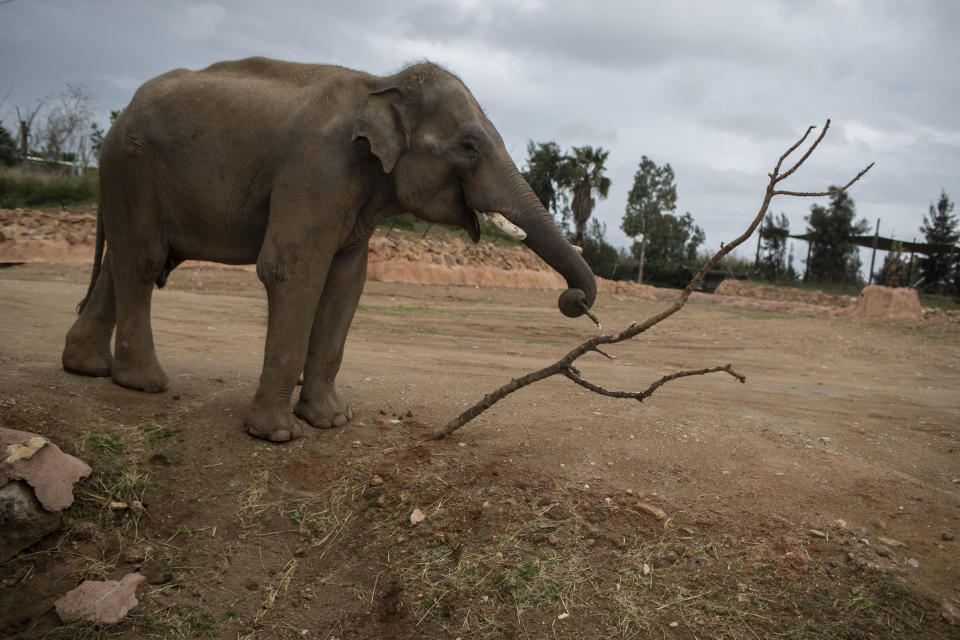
(289, 166)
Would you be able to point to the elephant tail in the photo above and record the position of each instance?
(97, 261)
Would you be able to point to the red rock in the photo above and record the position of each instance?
(105, 602)
(51, 472)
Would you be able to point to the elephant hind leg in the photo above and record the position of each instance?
(87, 348)
(135, 363)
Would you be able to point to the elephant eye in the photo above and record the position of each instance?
(470, 148)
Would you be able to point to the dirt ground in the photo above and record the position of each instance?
(819, 499)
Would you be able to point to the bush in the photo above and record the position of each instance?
(37, 189)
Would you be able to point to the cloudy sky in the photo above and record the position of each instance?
(716, 89)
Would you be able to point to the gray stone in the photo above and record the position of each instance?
(105, 602)
(23, 520)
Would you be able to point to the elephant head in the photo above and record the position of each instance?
(448, 162)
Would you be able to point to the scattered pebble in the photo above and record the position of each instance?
(882, 551)
(163, 457)
(674, 625)
(913, 563)
(890, 542)
(950, 612)
(648, 508)
(485, 505)
(376, 481)
(252, 585)
(946, 535)
(118, 506)
(646, 569)
(417, 516)
(157, 572)
(552, 540)
(825, 440)
(134, 554)
(563, 616)
(815, 533)
(84, 530)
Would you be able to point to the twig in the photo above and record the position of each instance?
(565, 367)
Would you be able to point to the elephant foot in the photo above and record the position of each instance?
(85, 363)
(272, 426)
(150, 378)
(326, 414)
(84, 357)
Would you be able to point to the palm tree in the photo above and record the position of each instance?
(587, 180)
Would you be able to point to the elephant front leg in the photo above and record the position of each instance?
(292, 303)
(320, 404)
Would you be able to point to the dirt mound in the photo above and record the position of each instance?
(876, 301)
(783, 294)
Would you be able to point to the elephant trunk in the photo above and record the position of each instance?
(520, 205)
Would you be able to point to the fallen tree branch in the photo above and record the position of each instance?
(564, 365)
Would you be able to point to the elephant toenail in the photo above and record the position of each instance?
(339, 420)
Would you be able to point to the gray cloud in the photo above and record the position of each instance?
(719, 90)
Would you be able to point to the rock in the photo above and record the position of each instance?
(825, 440)
(134, 554)
(101, 602)
(84, 530)
(417, 516)
(376, 481)
(946, 535)
(36, 482)
(815, 533)
(913, 563)
(950, 612)
(557, 512)
(48, 470)
(650, 509)
(890, 542)
(882, 551)
(17, 452)
(157, 572)
(24, 519)
(162, 458)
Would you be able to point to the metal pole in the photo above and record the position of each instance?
(806, 268)
(756, 258)
(873, 256)
(910, 277)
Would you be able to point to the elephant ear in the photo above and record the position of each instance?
(383, 122)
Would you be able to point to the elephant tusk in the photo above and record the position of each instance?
(577, 248)
(505, 225)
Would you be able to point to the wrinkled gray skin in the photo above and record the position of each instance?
(288, 166)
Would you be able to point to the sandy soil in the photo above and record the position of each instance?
(538, 508)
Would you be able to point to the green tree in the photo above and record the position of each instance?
(833, 257)
(773, 247)
(597, 252)
(8, 148)
(672, 243)
(97, 133)
(653, 195)
(940, 228)
(586, 180)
